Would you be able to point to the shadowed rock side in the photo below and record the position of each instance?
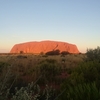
(44, 46)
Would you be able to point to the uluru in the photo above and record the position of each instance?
(37, 47)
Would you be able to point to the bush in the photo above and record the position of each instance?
(48, 69)
(93, 54)
(30, 92)
(84, 91)
(64, 53)
(54, 52)
(83, 82)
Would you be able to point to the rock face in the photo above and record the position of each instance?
(44, 46)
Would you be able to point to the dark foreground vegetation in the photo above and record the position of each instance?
(43, 77)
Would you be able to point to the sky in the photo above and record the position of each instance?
(72, 21)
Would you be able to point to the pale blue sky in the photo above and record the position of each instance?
(72, 21)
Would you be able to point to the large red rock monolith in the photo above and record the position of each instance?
(44, 46)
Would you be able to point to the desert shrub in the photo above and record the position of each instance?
(86, 72)
(5, 72)
(2, 65)
(48, 61)
(44, 55)
(30, 92)
(21, 56)
(54, 52)
(84, 91)
(85, 77)
(4, 95)
(93, 54)
(41, 53)
(63, 60)
(64, 53)
(48, 69)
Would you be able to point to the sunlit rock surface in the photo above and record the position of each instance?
(43, 47)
